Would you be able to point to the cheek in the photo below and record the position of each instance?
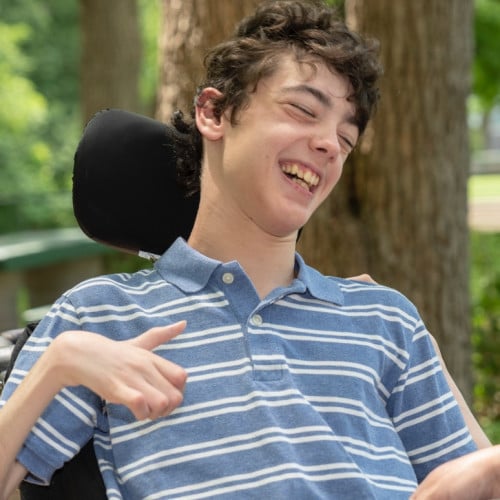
(333, 178)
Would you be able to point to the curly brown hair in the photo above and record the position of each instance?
(310, 31)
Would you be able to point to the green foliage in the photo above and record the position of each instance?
(149, 18)
(52, 47)
(23, 110)
(487, 50)
(492, 430)
(20, 101)
(39, 122)
(485, 288)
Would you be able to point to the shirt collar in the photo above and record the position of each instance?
(190, 271)
(185, 267)
(319, 286)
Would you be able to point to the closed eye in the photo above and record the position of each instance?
(348, 143)
(303, 109)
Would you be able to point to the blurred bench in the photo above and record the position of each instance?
(41, 265)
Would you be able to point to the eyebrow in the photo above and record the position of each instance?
(318, 94)
(323, 98)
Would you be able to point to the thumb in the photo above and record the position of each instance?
(159, 335)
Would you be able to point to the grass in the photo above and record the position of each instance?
(484, 186)
(485, 271)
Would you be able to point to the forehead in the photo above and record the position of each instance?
(310, 79)
(290, 74)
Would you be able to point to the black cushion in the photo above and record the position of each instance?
(125, 189)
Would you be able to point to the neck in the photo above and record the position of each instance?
(267, 260)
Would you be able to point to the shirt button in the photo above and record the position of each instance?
(227, 278)
(256, 320)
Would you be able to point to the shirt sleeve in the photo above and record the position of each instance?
(424, 411)
(69, 421)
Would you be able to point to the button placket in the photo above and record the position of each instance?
(261, 343)
(249, 309)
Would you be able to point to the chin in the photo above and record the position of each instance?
(284, 232)
(288, 224)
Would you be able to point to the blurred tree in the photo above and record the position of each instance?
(40, 63)
(400, 211)
(35, 157)
(189, 27)
(24, 154)
(111, 56)
(52, 47)
(486, 53)
(150, 23)
(486, 59)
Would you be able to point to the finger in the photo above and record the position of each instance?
(133, 399)
(159, 397)
(363, 277)
(146, 399)
(159, 335)
(171, 372)
(162, 404)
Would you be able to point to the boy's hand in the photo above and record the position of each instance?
(474, 476)
(125, 372)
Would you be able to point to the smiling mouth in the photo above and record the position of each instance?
(303, 177)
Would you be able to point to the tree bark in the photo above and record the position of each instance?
(400, 211)
(111, 54)
(189, 28)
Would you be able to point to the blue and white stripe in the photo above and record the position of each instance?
(326, 389)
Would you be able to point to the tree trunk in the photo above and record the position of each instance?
(111, 53)
(400, 211)
(189, 28)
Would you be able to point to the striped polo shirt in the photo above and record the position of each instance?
(328, 388)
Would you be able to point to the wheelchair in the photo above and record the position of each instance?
(125, 195)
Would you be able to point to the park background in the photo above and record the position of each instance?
(417, 205)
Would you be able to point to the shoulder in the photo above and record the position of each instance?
(348, 292)
(108, 286)
(371, 293)
(106, 302)
(387, 303)
(353, 290)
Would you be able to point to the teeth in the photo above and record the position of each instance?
(305, 178)
(301, 183)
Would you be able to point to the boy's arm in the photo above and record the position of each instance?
(120, 372)
(16, 475)
(20, 413)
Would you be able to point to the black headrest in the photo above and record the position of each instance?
(125, 191)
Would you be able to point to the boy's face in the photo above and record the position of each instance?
(285, 154)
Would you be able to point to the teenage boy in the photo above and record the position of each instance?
(298, 385)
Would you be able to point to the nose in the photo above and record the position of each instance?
(326, 143)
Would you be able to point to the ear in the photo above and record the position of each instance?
(209, 124)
